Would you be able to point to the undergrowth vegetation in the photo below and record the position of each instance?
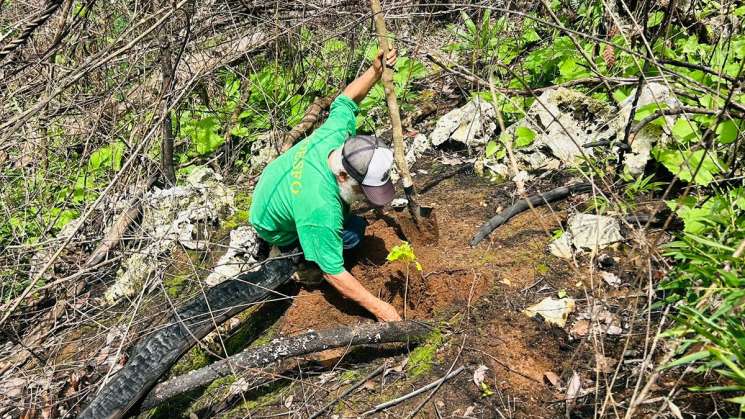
(696, 177)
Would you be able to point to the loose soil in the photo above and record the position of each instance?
(491, 284)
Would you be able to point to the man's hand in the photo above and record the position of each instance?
(377, 65)
(349, 287)
(386, 313)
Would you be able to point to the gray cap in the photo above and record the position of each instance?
(369, 163)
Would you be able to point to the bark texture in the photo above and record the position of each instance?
(278, 349)
(152, 357)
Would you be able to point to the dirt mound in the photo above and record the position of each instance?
(441, 283)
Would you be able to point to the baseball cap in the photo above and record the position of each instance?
(369, 163)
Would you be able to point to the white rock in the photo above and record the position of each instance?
(240, 256)
(554, 311)
(399, 203)
(562, 120)
(593, 232)
(472, 124)
(171, 216)
(641, 145)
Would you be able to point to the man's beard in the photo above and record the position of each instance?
(349, 193)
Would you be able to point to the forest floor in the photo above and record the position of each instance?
(475, 297)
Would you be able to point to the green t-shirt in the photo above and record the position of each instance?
(297, 197)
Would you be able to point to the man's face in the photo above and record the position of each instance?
(350, 191)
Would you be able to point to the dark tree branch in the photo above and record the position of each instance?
(278, 349)
(523, 204)
(30, 28)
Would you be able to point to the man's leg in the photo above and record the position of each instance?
(353, 231)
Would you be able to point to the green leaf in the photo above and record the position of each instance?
(728, 131)
(685, 130)
(684, 163)
(491, 148)
(619, 95)
(524, 137)
(655, 19)
(531, 35)
(108, 157)
(204, 135)
(647, 110)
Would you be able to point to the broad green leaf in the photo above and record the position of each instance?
(334, 46)
(619, 95)
(524, 137)
(684, 130)
(647, 110)
(684, 163)
(204, 135)
(491, 148)
(108, 157)
(531, 35)
(655, 19)
(728, 131)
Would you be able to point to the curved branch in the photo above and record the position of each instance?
(523, 204)
(30, 28)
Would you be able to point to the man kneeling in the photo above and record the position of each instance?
(305, 194)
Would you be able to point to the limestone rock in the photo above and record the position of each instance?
(171, 216)
(644, 140)
(240, 257)
(472, 124)
(562, 247)
(593, 232)
(562, 120)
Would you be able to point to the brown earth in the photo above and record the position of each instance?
(490, 284)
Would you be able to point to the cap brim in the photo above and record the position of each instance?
(379, 195)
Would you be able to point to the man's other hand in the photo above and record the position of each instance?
(389, 62)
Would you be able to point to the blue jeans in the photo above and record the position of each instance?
(353, 231)
(351, 234)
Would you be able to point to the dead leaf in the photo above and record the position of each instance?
(610, 278)
(604, 363)
(469, 411)
(573, 390)
(554, 311)
(370, 385)
(398, 369)
(580, 328)
(288, 401)
(552, 379)
(479, 375)
(675, 410)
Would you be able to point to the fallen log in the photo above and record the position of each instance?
(152, 357)
(523, 204)
(286, 347)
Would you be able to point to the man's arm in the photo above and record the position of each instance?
(358, 89)
(349, 287)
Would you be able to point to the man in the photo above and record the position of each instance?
(305, 194)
